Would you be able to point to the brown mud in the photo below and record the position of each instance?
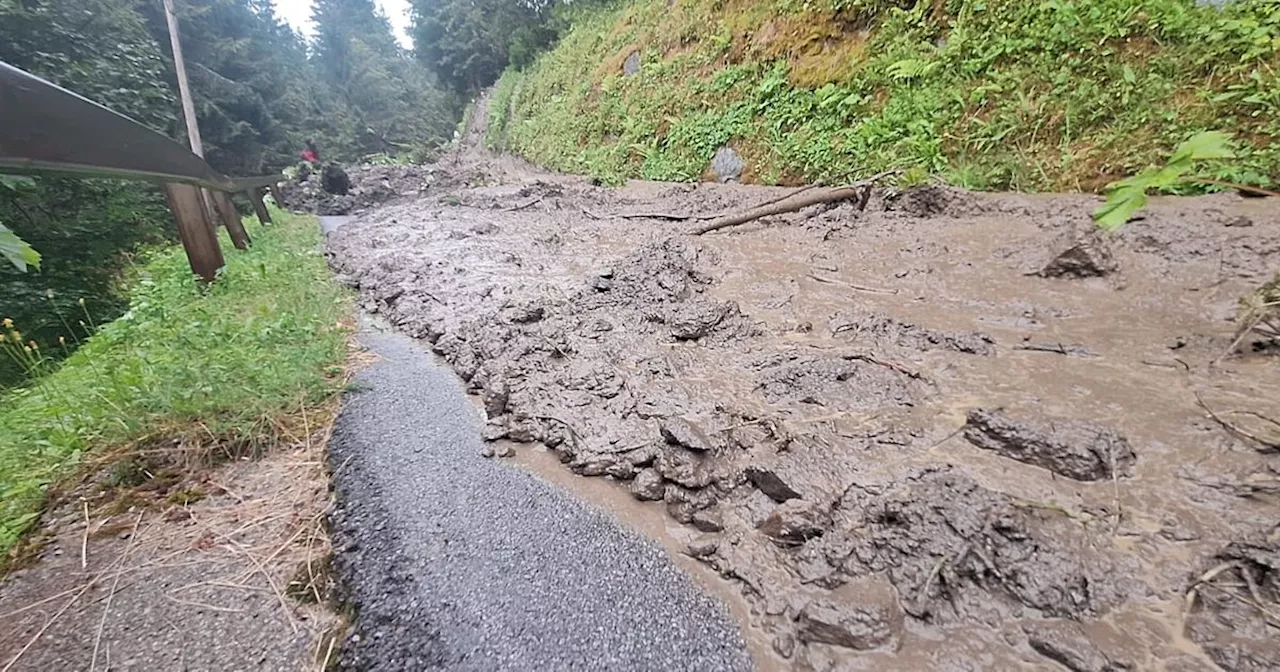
(954, 431)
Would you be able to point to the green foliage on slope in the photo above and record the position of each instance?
(989, 94)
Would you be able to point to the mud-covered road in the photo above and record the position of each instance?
(915, 437)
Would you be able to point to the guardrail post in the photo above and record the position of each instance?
(231, 219)
(194, 229)
(259, 207)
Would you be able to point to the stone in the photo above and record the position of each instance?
(683, 504)
(1240, 221)
(592, 464)
(708, 520)
(622, 470)
(796, 521)
(487, 450)
(1088, 257)
(631, 66)
(695, 319)
(495, 398)
(861, 615)
(770, 483)
(681, 432)
(1076, 449)
(648, 486)
(1065, 643)
(784, 644)
(702, 547)
(726, 165)
(684, 468)
(505, 450)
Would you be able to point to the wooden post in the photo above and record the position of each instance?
(259, 207)
(184, 89)
(198, 237)
(231, 219)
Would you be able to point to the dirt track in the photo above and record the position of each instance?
(910, 450)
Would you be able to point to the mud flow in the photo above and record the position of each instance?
(953, 431)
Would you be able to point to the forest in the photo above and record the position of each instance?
(261, 90)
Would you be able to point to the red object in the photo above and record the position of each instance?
(310, 156)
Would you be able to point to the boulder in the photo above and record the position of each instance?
(795, 521)
(1065, 643)
(1088, 257)
(681, 432)
(648, 486)
(861, 615)
(1076, 449)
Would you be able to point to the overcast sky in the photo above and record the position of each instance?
(298, 14)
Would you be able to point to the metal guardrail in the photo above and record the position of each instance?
(46, 129)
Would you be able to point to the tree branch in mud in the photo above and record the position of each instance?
(860, 190)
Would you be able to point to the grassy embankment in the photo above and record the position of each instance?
(230, 366)
(988, 94)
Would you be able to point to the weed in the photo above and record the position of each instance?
(220, 365)
(999, 94)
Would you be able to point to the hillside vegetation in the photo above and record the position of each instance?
(989, 94)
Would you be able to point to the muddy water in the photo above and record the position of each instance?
(897, 444)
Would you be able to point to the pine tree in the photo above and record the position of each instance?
(395, 104)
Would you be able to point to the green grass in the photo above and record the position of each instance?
(218, 364)
(989, 94)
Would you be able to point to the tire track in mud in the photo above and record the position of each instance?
(975, 466)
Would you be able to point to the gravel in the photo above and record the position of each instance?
(458, 562)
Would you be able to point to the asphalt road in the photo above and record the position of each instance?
(459, 562)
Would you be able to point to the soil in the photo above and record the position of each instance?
(954, 431)
(155, 564)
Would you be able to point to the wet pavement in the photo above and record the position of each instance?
(460, 562)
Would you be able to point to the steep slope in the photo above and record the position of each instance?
(993, 94)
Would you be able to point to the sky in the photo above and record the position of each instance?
(298, 14)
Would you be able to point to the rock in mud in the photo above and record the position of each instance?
(702, 547)
(865, 617)
(1075, 449)
(1065, 643)
(726, 165)
(707, 520)
(684, 504)
(770, 483)
(694, 319)
(648, 486)
(930, 200)
(335, 180)
(992, 555)
(684, 468)
(680, 432)
(796, 521)
(1087, 257)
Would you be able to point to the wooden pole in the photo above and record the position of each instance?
(231, 219)
(184, 89)
(198, 238)
(259, 206)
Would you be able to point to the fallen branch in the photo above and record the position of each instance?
(661, 215)
(1238, 187)
(855, 190)
(522, 206)
(1234, 429)
(860, 288)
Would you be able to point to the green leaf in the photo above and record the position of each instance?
(12, 182)
(16, 251)
(1127, 197)
(1207, 145)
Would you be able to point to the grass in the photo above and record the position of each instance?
(223, 365)
(988, 94)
